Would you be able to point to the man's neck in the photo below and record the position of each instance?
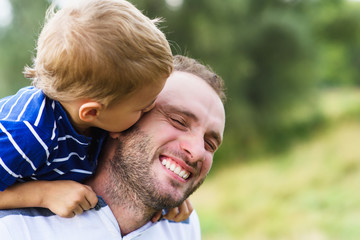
(129, 216)
(126, 207)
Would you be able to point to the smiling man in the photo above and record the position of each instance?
(154, 165)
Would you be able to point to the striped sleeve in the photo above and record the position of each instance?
(23, 148)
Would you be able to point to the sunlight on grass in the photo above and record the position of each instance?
(336, 103)
(309, 193)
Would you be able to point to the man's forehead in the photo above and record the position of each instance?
(180, 83)
(192, 96)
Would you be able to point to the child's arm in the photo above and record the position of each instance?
(177, 214)
(63, 197)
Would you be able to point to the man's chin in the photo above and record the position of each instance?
(168, 199)
(169, 202)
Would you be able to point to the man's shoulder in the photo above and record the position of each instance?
(29, 212)
(42, 224)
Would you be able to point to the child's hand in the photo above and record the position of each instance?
(68, 198)
(177, 214)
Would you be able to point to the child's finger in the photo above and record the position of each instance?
(85, 205)
(156, 217)
(91, 197)
(185, 209)
(171, 214)
(189, 205)
(78, 210)
(183, 213)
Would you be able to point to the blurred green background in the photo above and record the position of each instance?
(289, 165)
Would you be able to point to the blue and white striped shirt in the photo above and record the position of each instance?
(38, 142)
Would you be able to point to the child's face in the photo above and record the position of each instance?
(126, 113)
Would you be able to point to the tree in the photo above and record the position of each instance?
(17, 43)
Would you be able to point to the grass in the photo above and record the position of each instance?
(311, 192)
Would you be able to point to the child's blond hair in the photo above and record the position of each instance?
(102, 50)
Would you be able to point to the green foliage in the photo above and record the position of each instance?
(340, 37)
(260, 48)
(17, 43)
(307, 192)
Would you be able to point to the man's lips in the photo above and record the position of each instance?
(174, 167)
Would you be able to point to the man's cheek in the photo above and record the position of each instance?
(205, 167)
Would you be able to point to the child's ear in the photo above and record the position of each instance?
(89, 111)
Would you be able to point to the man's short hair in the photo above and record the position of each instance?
(189, 65)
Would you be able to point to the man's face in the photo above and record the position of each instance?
(170, 151)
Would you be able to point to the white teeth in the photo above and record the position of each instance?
(176, 169)
(182, 173)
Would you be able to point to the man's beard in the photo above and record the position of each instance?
(133, 183)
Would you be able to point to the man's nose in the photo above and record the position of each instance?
(193, 145)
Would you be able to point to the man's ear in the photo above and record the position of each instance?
(89, 111)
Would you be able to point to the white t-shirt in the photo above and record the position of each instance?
(41, 224)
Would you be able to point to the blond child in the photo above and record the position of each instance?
(100, 65)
